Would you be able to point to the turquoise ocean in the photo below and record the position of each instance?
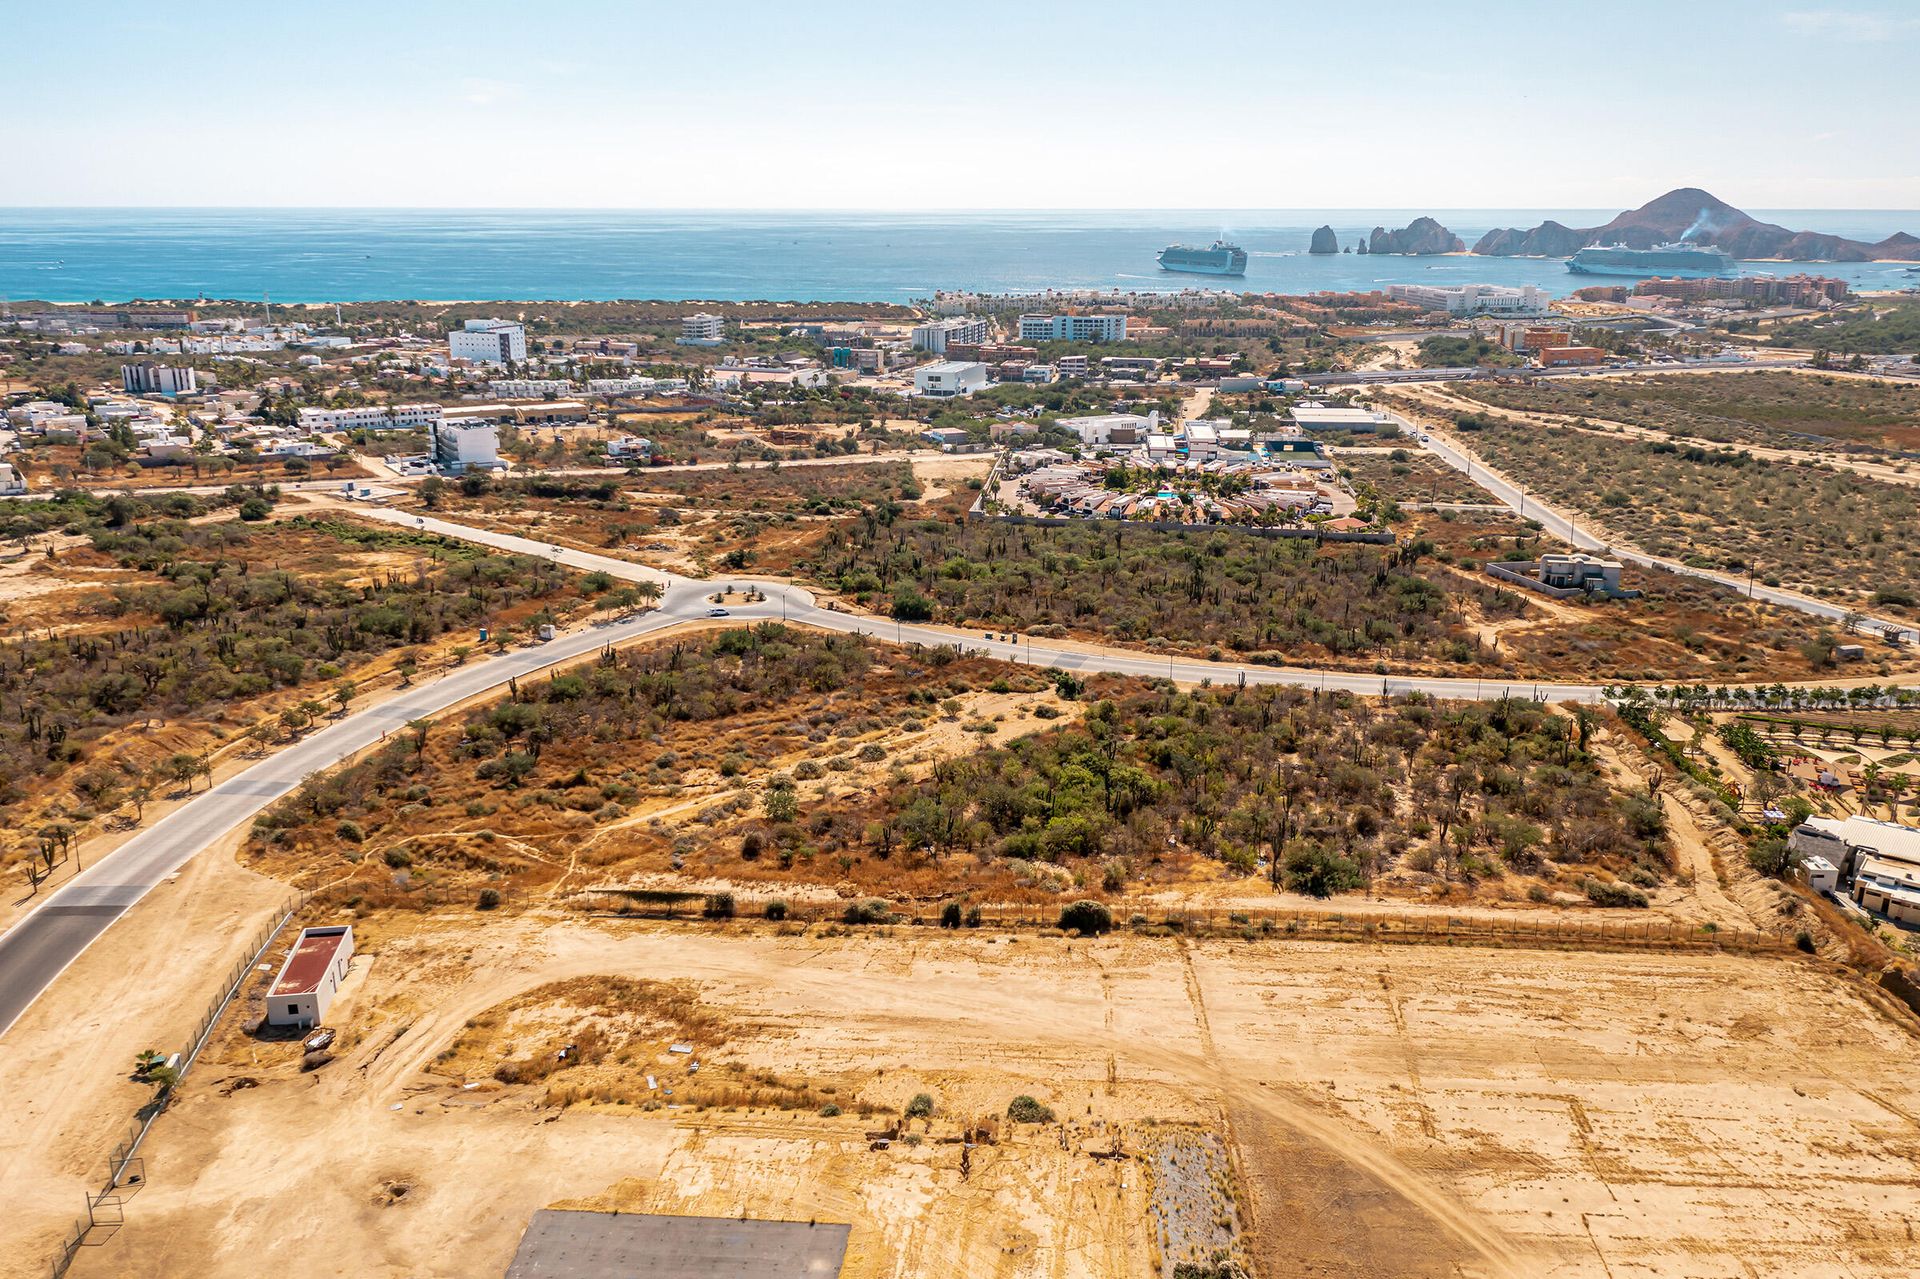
(347, 255)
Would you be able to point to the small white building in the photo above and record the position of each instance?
(488, 342)
(1105, 429)
(624, 448)
(701, 329)
(949, 379)
(11, 481)
(1822, 876)
(311, 977)
(1318, 417)
(961, 330)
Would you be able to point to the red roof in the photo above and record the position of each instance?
(312, 956)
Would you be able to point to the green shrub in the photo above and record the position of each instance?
(1025, 1110)
(489, 898)
(1088, 918)
(351, 832)
(920, 1107)
(718, 906)
(873, 910)
(776, 910)
(1614, 895)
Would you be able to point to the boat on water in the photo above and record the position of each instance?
(1690, 261)
(1219, 258)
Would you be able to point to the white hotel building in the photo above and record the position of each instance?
(962, 330)
(1474, 299)
(702, 329)
(1073, 328)
(488, 342)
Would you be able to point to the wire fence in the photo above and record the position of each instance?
(1425, 927)
(126, 1172)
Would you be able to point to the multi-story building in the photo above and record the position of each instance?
(459, 447)
(949, 378)
(372, 417)
(1571, 357)
(525, 388)
(488, 342)
(158, 379)
(702, 329)
(963, 330)
(1768, 290)
(1474, 299)
(1073, 328)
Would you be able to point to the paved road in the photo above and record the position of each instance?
(39, 947)
(1567, 528)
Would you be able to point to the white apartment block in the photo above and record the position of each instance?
(964, 330)
(1073, 328)
(1474, 299)
(372, 417)
(466, 446)
(158, 379)
(488, 342)
(526, 388)
(702, 329)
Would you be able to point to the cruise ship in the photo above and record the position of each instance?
(1693, 261)
(1220, 258)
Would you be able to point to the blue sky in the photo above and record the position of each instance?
(1388, 104)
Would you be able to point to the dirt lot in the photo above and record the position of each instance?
(1400, 1111)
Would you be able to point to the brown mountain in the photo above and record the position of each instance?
(1422, 235)
(1699, 217)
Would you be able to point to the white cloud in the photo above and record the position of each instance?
(1846, 24)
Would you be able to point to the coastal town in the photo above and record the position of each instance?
(623, 652)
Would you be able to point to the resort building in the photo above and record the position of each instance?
(488, 342)
(1474, 299)
(963, 330)
(701, 329)
(1073, 328)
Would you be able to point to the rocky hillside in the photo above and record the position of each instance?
(1422, 235)
(1701, 218)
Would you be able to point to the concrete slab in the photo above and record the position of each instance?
(561, 1244)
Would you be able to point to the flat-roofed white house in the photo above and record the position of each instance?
(1319, 417)
(949, 379)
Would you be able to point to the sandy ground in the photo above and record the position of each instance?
(65, 1065)
(1399, 1111)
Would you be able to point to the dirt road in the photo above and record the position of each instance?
(1396, 1111)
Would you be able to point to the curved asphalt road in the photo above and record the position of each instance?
(38, 948)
